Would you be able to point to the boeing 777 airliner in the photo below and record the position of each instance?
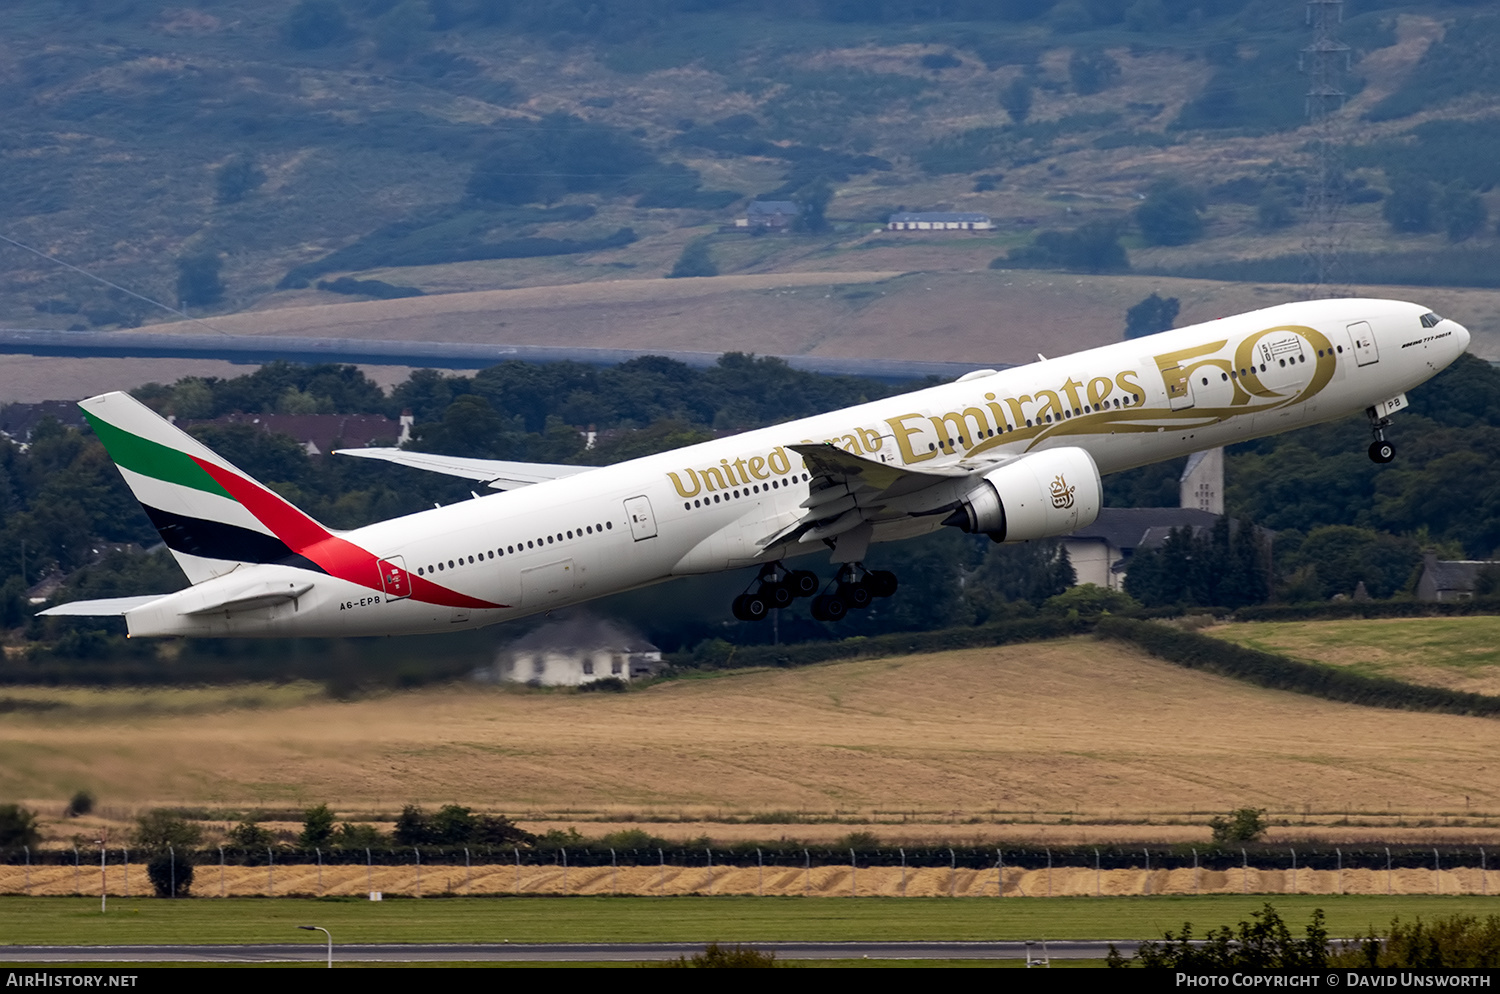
(1014, 455)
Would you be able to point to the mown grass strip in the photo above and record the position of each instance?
(1266, 669)
(78, 921)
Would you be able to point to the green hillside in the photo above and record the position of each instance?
(231, 155)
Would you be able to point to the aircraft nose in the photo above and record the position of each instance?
(1461, 335)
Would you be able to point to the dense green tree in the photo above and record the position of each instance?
(1016, 99)
(317, 826)
(1153, 314)
(1091, 248)
(1410, 208)
(813, 202)
(1172, 214)
(236, 178)
(160, 827)
(198, 282)
(1463, 212)
(18, 827)
(695, 260)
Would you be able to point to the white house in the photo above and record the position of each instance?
(577, 651)
(939, 221)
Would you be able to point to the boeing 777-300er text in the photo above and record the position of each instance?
(1015, 455)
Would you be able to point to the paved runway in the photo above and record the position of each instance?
(536, 952)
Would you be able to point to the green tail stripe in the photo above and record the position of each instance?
(141, 455)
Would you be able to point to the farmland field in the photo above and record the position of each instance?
(1458, 653)
(930, 747)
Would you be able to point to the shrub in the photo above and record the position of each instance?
(1172, 214)
(1093, 248)
(198, 282)
(715, 956)
(1409, 208)
(81, 804)
(1152, 315)
(1242, 825)
(248, 835)
(17, 827)
(170, 874)
(1458, 942)
(236, 178)
(1265, 943)
(317, 826)
(159, 828)
(696, 260)
(1016, 99)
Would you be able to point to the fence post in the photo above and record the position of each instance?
(1096, 872)
(78, 873)
(518, 868)
(1245, 873)
(1195, 870)
(565, 867)
(319, 851)
(760, 884)
(172, 862)
(28, 870)
(903, 871)
(1437, 880)
(468, 873)
(1484, 874)
(1294, 871)
(1148, 869)
(614, 868)
(369, 871)
(1388, 870)
(1340, 854)
(710, 852)
(999, 867)
(221, 871)
(125, 850)
(952, 873)
(1049, 872)
(661, 873)
(853, 874)
(271, 870)
(806, 871)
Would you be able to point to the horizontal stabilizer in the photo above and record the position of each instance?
(109, 607)
(498, 474)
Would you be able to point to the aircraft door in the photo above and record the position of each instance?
(1179, 388)
(642, 521)
(394, 579)
(1365, 350)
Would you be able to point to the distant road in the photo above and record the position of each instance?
(257, 349)
(544, 952)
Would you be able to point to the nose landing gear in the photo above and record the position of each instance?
(1380, 450)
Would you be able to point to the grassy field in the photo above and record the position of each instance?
(78, 921)
(1068, 730)
(1459, 653)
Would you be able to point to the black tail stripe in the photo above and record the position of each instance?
(218, 540)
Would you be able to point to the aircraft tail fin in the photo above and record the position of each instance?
(211, 515)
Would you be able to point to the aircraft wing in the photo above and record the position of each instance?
(498, 474)
(847, 490)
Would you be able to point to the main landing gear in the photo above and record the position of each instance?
(855, 587)
(1381, 451)
(774, 588)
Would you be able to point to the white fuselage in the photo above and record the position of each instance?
(708, 507)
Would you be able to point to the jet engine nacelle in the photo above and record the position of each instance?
(1052, 492)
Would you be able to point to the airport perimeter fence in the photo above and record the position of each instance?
(784, 855)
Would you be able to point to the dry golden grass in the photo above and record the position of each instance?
(820, 881)
(1077, 728)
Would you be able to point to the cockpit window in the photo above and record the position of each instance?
(1430, 320)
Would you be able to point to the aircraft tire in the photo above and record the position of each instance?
(755, 607)
(1382, 452)
(777, 594)
(882, 583)
(856, 596)
(802, 582)
(828, 607)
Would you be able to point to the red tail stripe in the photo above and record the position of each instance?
(336, 556)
